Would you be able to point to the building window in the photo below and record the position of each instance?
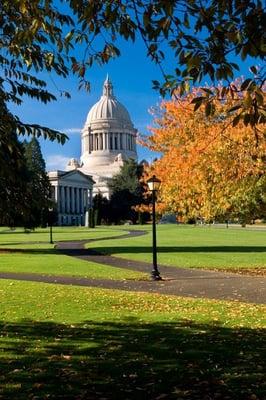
(116, 147)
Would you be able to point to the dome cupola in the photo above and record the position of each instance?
(109, 109)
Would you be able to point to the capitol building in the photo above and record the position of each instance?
(108, 138)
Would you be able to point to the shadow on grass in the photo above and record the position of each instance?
(130, 360)
(109, 250)
(181, 249)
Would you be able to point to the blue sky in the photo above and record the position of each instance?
(132, 74)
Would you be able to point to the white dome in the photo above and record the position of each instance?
(108, 108)
(108, 136)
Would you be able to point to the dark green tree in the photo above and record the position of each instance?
(91, 218)
(38, 185)
(14, 198)
(34, 158)
(252, 204)
(126, 192)
(100, 206)
(24, 185)
(14, 194)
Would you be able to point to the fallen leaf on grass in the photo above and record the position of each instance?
(38, 385)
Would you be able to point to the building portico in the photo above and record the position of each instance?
(72, 193)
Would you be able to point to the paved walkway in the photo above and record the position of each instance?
(176, 281)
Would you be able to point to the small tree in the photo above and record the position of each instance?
(91, 218)
(100, 206)
(127, 192)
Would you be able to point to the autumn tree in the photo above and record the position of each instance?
(209, 167)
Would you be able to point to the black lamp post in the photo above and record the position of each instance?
(154, 185)
(50, 209)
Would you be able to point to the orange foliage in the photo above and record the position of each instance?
(205, 160)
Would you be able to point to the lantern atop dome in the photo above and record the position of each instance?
(108, 87)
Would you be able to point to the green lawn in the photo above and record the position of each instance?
(17, 238)
(44, 263)
(40, 257)
(65, 342)
(182, 246)
(69, 343)
(195, 247)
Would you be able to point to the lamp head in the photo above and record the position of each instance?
(153, 183)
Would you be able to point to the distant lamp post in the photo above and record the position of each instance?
(154, 185)
(50, 219)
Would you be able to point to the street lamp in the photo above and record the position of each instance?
(50, 209)
(154, 185)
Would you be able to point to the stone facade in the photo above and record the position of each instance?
(72, 193)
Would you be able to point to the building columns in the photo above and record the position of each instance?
(72, 200)
(56, 194)
(67, 199)
(125, 141)
(63, 199)
(77, 201)
(82, 201)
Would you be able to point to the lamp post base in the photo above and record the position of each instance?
(155, 275)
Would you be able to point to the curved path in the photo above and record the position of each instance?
(176, 281)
